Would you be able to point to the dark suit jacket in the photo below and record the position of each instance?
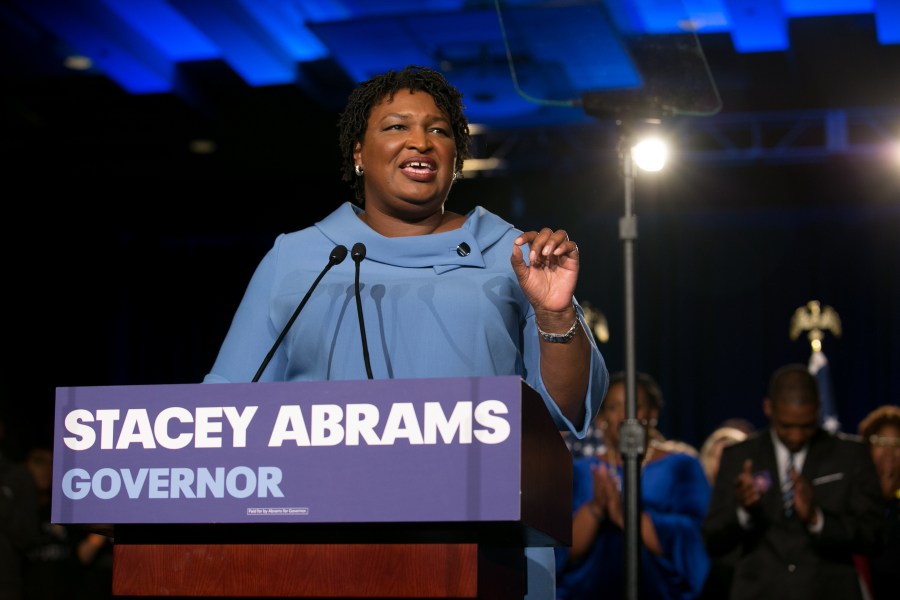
(777, 556)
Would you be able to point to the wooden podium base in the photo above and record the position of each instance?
(417, 570)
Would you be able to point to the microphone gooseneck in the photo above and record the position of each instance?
(358, 252)
(337, 256)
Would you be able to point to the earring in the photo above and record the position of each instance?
(457, 175)
(359, 170)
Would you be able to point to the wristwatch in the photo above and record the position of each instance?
(559, 338)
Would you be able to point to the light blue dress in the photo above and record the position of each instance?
(429, 311)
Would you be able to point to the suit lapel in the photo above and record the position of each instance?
(817, 463)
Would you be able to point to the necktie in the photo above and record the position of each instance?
(787, 486)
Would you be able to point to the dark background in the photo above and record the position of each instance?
(126, 255)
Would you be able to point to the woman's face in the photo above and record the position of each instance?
(613, 411)
(409, 156)
(886, 455)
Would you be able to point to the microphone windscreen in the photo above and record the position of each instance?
(338, 254)
(358, 252)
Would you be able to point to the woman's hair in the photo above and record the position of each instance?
(725, 436)
(878, 418)
(354, 119)
(645, 381)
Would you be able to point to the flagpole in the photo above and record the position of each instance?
(816, 319)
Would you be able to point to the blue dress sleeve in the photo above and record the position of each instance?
(676, 496)
(597, 383)
(252, 333)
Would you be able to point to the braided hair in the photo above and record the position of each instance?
(354, 119)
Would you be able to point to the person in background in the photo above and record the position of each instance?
(880, 430)
(721, 568)
(51, 569)
(796, 501)
(19, 519)
(674, 497)
(711, 450)
(739, 423)
(66, 562)
(445, 293)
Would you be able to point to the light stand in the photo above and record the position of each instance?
(632, 436)
(673, 79)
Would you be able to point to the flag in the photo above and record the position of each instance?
(818, 366)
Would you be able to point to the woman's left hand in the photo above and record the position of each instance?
(549, 278)
(548, 282)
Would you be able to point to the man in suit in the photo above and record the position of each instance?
(797, 501)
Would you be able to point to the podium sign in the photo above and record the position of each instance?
(255, 475)
(318, 452)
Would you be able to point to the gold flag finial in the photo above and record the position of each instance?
(816, 320)
(596, 320)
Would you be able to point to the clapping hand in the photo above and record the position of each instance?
(746, 491)
(606, 493)
(803, 499)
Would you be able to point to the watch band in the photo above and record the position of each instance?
(558, 338)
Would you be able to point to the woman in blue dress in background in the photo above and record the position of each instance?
(674, 498)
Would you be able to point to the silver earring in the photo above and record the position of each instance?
(359, 170)
(456, 175)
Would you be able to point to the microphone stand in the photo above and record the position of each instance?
(358, 253)
(632, 435)
(337, 256)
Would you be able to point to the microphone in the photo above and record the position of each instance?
(337, 256)
(358, 252)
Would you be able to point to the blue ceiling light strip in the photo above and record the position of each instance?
(166, 29)
(638, 17)
(887, 21)
(661, 16)
(117, 50)
(706, 16)
(324, 10)
(285, 21)
(817, 8)
(383, 8)
(244, 43)
(364, 48)
(758, 25)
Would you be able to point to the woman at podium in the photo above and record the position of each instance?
(437, 293)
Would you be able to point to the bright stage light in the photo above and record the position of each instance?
(650, 154)
(895, 153)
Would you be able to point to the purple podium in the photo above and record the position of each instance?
(417, 488)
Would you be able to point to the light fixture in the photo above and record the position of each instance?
(483, 164)
(650, 153)
(202, 146)
(78, 62)
(895, 153)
